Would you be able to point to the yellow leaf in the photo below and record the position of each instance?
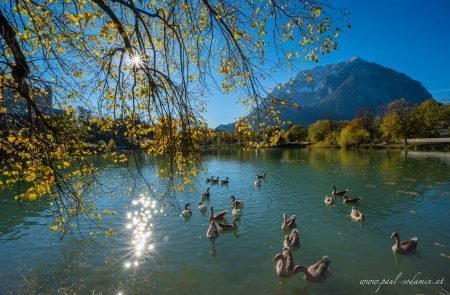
(31, 196)
(31, 177)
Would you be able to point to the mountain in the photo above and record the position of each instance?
(339, 91)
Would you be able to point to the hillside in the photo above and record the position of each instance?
(339, 91)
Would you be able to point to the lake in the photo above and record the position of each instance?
(158, 252)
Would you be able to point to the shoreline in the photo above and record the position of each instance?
(370, 146)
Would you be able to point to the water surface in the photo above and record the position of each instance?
(408, 193)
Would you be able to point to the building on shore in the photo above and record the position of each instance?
(12, 104)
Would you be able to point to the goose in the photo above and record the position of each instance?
(404, 247)
(215, 181)
(228, 226)
(293, 240)
(226, 181)
(258, 182)
(207, 194)
(338, 193)
(285, 264)
(202, 207)
(236, 211)
(212, 232)
(328, 201)
(356, 214)
(316, 272)
(348, 200)
(218, 216)
(289, 223)
(186, 212)
(209, 179)
(261, 176)
(239, 203)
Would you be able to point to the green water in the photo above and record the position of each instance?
(408, 193)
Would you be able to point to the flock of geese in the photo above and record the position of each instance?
(217, 223)
(285, 266)
(400, 247)
(355, 213)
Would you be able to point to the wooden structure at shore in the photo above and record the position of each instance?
(428, 141)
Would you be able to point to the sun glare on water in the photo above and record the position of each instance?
(138, 224)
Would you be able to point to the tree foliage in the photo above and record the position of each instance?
(400, 123)
(145, 65)
(296, 133)
(353, 134)
(319, 130)
(433, 118)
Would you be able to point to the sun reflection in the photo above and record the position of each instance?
(140, 229)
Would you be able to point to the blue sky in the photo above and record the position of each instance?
(410, 36)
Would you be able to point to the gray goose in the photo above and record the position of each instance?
(228, 226)
(207, 194)
(218, 216)
(356, 214)
(202, 207)
(285, 266)
(293, 240)
(261, 176)
(213, 231)
(334, 192)
(236, 211)
(404, 247)
(347, 200)
(328, 201)
(239, 203)
(288, 223)
(186, 212)
(318, 271)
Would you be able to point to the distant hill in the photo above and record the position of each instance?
(339, 91)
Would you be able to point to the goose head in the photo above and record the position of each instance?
(278, 257)
(232, 198)
(395, 235)
(354, 208)
(345, 197)
(294, 217)
(186, 207)
(207, 190)
(325, 259)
